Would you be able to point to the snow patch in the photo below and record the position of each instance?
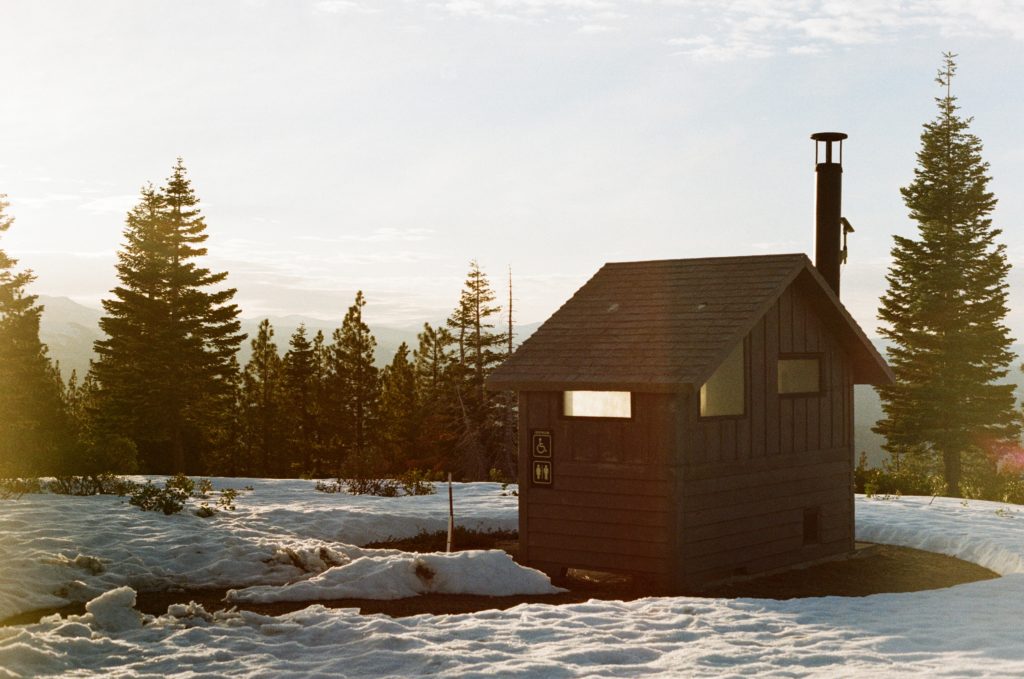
(114, 611)
(400, 575)
(285, 536)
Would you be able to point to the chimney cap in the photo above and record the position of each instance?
(828, 136)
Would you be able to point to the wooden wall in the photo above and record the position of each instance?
(775, 425)
(746, 481)
(688, 500)
(610, 506)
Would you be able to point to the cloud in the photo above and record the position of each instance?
(595, 28)
(376, 236)
(342, 7)
(98, 254)
(802, 27)
(706, 48)
(528, 10)
(805, 49)
(755, 29)
(115, 204)
(47, 199)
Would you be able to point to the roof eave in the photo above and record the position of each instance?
(647, 386)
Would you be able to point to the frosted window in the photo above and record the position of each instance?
(598, 404)
(725, 393)
(799, 375)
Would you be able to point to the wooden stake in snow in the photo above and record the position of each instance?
(451, 513)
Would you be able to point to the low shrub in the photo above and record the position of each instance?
(205, 487)
(227, 499)
(183, 483)
(205, 511)
(379, 487)
(16, 487)
(412, 482)
(329, 487)
(415, 482)
(169, 500)
(92, 484)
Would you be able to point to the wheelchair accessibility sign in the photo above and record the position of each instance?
(541, 445)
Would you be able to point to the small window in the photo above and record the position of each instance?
(598, 404)
(725, 393)
(800, 375)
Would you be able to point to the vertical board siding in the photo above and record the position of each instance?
(774, 425)
(742, 495)
(758, 429)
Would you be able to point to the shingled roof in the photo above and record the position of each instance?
(662, 325)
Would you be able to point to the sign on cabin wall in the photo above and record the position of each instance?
(541, 449)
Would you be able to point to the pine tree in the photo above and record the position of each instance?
(167, 367)
(262, 405)
(432, 360)
(399, 410)
(437, 413)
(301, 405)
(95, 451)
(945, 308)
(354, 389)
(480, 351)
(323, 406)
(33, 428)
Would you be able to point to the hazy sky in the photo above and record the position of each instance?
(340, 145)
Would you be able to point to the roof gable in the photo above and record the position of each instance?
(662, 325)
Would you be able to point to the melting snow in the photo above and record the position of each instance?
(288, 542)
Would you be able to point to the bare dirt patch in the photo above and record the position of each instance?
(873, 570)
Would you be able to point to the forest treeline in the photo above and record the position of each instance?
(166, 393)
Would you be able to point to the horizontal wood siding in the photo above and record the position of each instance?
(740, 519)
(611, 503)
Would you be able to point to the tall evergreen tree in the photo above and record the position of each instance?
(33, 426)
(96, 451)
(437, 412)
(399, 410)
(354, 389)
(302, 374)
(322, 407)
(262, 406)
(432, 360)
(166, 369)
(480, 351)
(945, 307)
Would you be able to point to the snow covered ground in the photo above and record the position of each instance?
(286, 541)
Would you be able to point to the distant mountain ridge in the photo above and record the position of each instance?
(70, 328)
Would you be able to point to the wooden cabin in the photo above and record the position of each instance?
(690, 420)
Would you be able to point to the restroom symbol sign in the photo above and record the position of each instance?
(542, 472)
(541, 446)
